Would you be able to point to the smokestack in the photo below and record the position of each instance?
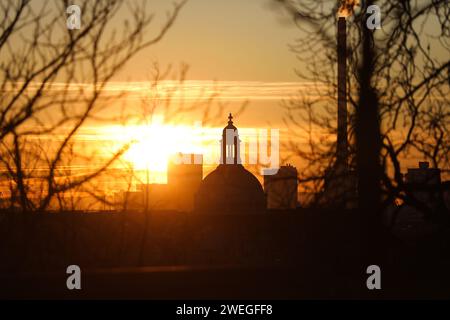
(342, 94)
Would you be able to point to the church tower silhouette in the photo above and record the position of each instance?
(230, 144)
(230, 188)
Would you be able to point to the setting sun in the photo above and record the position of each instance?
(151, 146)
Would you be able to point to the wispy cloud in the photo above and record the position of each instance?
(191, 89)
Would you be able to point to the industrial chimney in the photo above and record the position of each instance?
(340, 183)
(342, 149)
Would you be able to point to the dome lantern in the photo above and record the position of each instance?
(230, 144)
(230, 188)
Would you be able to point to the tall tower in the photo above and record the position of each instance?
(230, 144)
(342, 148)
(340, 184)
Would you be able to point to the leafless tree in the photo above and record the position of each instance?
(399, 92)
(53, 84)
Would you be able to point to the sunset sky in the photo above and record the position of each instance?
(237, 48)
(225, 40)
(243, 45)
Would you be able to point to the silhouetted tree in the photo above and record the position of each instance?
(398, 80)
(53, 83)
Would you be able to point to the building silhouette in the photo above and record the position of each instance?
(281, 188)
(184, 176)
(230, 188)
(424, 197)
(424, 185)
(156, 196)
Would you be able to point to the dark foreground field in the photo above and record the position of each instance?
(167, 255)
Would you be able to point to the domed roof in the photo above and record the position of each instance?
(230, 188)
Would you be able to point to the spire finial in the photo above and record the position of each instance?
(230, 119)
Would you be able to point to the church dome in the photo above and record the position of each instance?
(230, 187)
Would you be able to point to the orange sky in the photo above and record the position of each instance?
(224, 40)
(241, 44)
